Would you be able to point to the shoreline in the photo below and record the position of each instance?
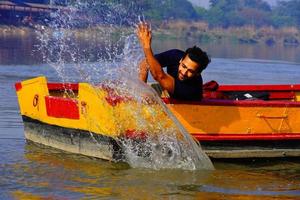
(289, 36)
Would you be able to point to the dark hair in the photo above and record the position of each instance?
(197, 55)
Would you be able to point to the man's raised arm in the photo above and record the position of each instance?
(164, 79)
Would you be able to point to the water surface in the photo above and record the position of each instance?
(29, 171)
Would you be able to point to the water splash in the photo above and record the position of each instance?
(93, 42)
(166, 144)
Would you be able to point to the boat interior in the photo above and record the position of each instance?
(212, 90)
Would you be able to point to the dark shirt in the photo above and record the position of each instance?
(190, 89)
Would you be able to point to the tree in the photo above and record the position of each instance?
(202, 13)
(171, 9)
(287, 13)
(254, 17)
(227, 13)
(257, 4)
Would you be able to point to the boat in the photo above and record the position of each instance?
(231, 121)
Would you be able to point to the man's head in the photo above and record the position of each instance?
(192, 63)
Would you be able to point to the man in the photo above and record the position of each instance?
(183, 78)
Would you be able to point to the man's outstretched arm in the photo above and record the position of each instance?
(164, 79)
(143, 71)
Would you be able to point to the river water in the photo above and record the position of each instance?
(30, 171)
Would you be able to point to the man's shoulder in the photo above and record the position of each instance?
(174, 52)
(170, 57)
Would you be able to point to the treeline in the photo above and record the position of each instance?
(221, 13)
(258, 13)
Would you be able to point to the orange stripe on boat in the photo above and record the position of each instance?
(61, 107)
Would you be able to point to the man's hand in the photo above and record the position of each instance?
(165, 80)
(144, 34)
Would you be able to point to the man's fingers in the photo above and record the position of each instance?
(146, 26)
(143, 26)
(143, 29)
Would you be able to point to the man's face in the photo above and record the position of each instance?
(187, 69)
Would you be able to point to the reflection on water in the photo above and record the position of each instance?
(23, 50)
(49, 173)
(18, 50)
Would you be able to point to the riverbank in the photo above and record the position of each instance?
(289, 36)
(181, 30)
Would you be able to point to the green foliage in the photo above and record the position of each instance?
(227, 13)
(222, 13)
(201, 12)
(170, 9)
(287, 13)
(257, 4)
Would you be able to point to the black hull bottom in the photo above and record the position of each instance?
(252, 149)
(72, 140)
